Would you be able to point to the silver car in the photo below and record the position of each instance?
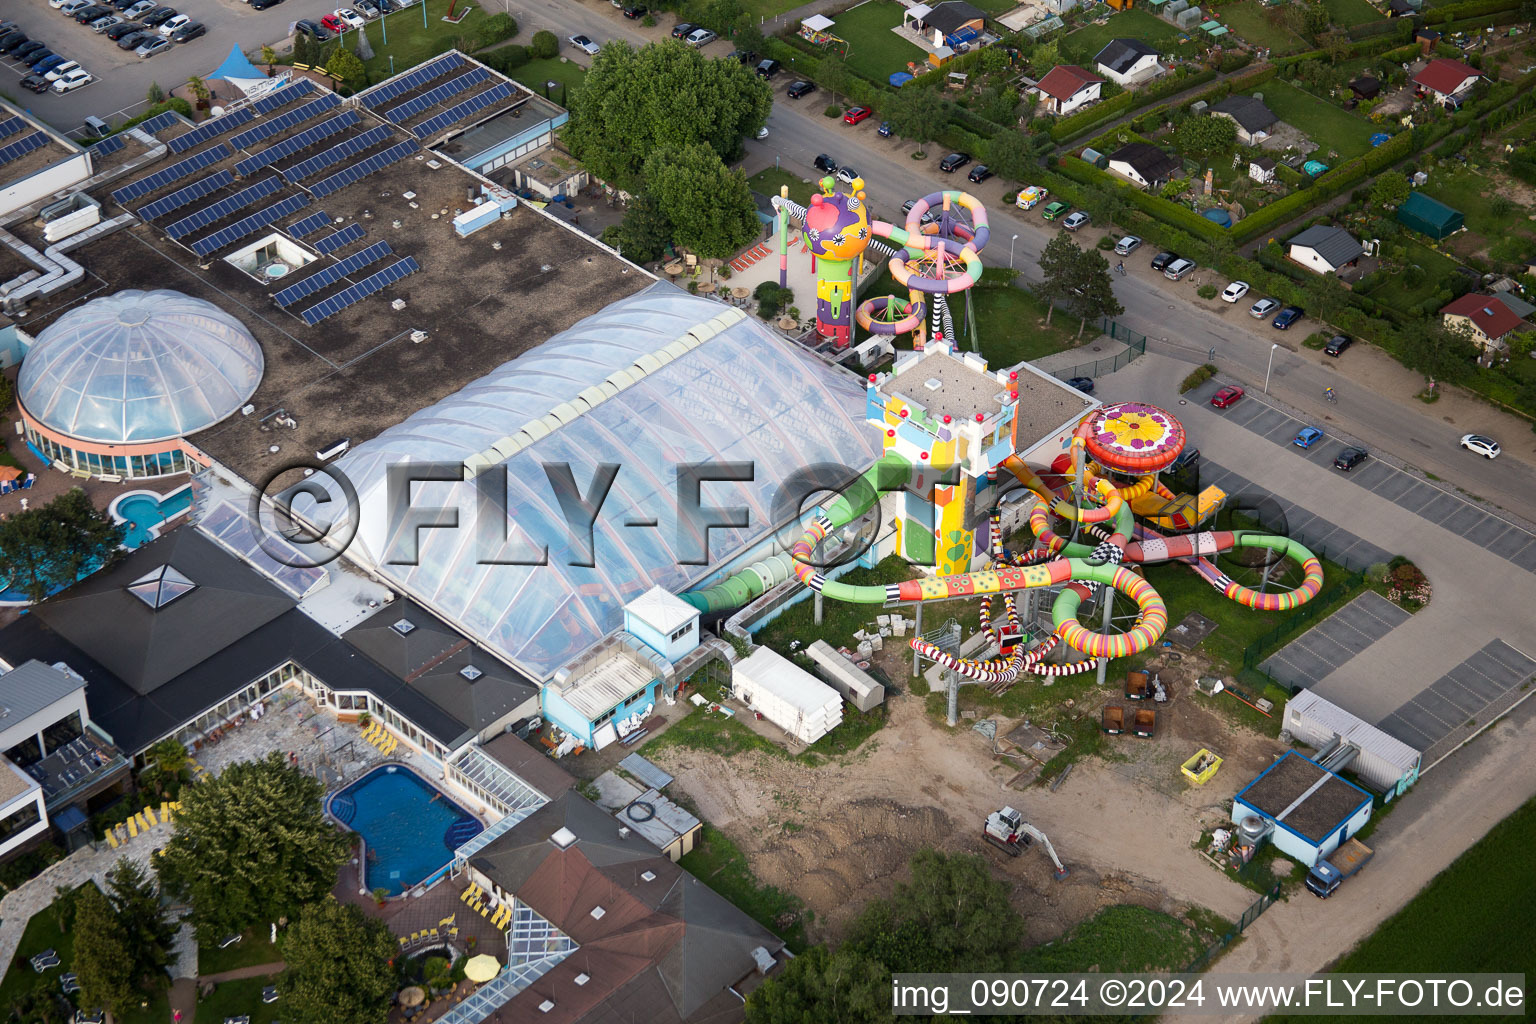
(701, 36)
(1127, 245)
(150, 47)
(1263, 308)
(1178, 270)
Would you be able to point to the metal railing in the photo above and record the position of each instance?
(1135, 348)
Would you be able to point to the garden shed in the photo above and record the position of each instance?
(787, 695)
(1429, 216)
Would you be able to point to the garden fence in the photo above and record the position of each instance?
(1135, 347)
(1252, 914)
(1256, 651)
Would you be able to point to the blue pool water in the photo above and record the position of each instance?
(144, 512)
(410, 828)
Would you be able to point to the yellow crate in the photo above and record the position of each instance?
(1202, 777)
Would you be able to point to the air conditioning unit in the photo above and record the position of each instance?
(397, 305)
(417, 337)
(623, 832)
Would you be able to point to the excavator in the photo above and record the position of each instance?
(1009, 832)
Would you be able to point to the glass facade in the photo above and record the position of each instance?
(20, 820)
(166, 463)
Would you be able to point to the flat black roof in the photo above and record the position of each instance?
(1329, 806)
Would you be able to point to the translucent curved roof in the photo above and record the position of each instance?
(140, 366)
(743, 395)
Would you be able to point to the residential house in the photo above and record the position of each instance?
(1446, 81)
(1261, 169)
(1128, 62)
(1067, 87)
(1483, 318)
(1252, 117)
(951, 23)
(1324, 249)
(1144, 164)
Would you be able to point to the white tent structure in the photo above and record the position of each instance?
(787, 695)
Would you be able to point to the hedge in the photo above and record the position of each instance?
(1468, 9)
(1085, 121)
(1154, 206)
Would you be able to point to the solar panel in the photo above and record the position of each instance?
(111, 145)
(256, 221)
(336, 154)
(10, 126)
(158, 123)
(346, 236)
(360, 291)
(309, 225)
(459, 112)
(432, 97)
(182, 196)
(22, 146)
(215, 212)
(162, 178)
(210, 130)
(282, 97)
(283, 122)
(415, 80)
(376, 162)
(308, 137)
(330, 275)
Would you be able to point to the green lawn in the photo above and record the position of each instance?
(409, 42)
(719, 864)
(873, 49)
(1248, 20)
(41, 933)
(1119, 939)
(771, 8)
(1331, 127)
(1466, 919)
(253, 949)
(1347, 13)
(537, 72)
(1474, 194)
(235, 998)
(767, 182)
(1086, 42)
(1394, 289)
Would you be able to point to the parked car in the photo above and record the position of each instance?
(801, 88)
(701, 37)
(1487, 447)
(59, 5)
(634, 12)
(856, 114)
(1162, 259)
(762, 133)
(1127, 245)
(1337, 344)
(767, 68)
(1179, 269)
(825, 163)
(745, 58)
(1263, 308)
(586, 45)
(27, 52)
(1224, 398)
(1188, 458)
(69, 7)
(350, 18)
(313, 29)
(370, 9)
(86, 15)
(170, 25)
(847, 175)
(127, 28)
(47, 64)
(132, 40)
(1083, 384)
(159, 16)
(331, 23)
(927, 218)
(59, 71)
(188, 32)
(1029, 196)
(261, 5)
(682, 28)
(1056, 209)
(153, 45)
(35, 83)
(1306, 437)
(104, 22)
(72, 81)
(886, 129)
(954, 162)
(1287, 316)
(1076, 220)
(140, 9)
(1234, 291)
(979, 174)
(14, 39)
(1349, 458)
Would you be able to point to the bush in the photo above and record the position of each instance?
(506, 58)
(175, 103)
(833, 110)
(1316, 340)
(497, 28)
(1199, 376)
(1105, 244)
(543, 45)
(1206, 291)
(771, 298)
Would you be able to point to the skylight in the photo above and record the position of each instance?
(160, 587)
(470, 672)
(403, 626)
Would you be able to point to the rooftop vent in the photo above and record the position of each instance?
(623, 831)
(563, 837)
(403, 626)
(933, 384)
(582, 978)
(763, 959)
(546, 1006)
(648, 876)
(470, 672)
(597, 913)
(417, 337)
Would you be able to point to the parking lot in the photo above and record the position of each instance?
(1309, 658)
(1461, 695)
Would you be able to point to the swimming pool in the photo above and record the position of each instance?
(145, 513)
(409, 828)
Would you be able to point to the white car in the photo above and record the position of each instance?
(170, 25)
(62, 70)
(585, 45)
(1235, 291)
(1487, 447)
(847, 175)
(762, 133)
(350, 18)
(72, 81)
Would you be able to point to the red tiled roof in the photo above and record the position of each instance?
(1490, 315)
(1065, 80)
(1444, 75)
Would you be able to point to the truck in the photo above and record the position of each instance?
(1328, 875)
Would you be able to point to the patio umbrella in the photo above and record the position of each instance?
(741, 291)
(482, 968)
(413, 996)
(9, 472)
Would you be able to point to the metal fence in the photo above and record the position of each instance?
(1250, 915)
(1256, 651)
(1135, 348)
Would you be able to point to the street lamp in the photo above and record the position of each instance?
(1010, 252)
(1271, 366)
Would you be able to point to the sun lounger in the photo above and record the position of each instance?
(133, 830)
(165, 810)
(433, 934)
(404, 942)
(445, 922)
(111, 839)
(453, 931)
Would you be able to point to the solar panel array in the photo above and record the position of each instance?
(308, 137)
(182, 196)
(256, 221)
(415, 80)
(22, 146)
(162, 178)
(360, 170)
(282, 97)
(346, 236)
(330, 275)
(459, 112)
(158, 123)
(432, 97)
(10, 126)
(283, 122)
(111, 145)
(215, 212)
(360, 291)
(210, 129)
(336, 154)
(309, 225)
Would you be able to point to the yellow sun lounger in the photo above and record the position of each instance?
(148, 814)
(404, 943)
(111, 839)
(165, 810)
(447, 921)
(370, 730)
(453, 931)
(133, 830)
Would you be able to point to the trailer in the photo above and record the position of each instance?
(1327, 875)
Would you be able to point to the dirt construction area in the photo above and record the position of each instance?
(1124, 823)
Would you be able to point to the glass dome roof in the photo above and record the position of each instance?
(138, 367)
(742, 395)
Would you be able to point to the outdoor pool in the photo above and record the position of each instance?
(409, 828)
(146, 513)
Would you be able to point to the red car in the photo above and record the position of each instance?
(333, 24)
(1226, 396)
(856, 114)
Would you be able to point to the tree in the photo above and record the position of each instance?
(847, 986)
(268, 57)
(709, 206)
(832, 74)
(199, 90)
(1174, 188)
(1096, 292)
(646, 231)
(964, 912)
(635, 102)
(102, 961)
(38, 1004)
(303, 49)
(919, 114)
(250, 846)
(346, 66)
(543, 45)
(339, 967)
(1009, 155)
(1391, 190)
(148, 933)
(1059, 263)
(155, 95)
(45, 549)
(1204, 137)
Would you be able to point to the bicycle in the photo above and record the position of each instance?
(1329, 394)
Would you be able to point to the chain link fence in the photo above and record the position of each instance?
(1266, 644)
(1135, 348)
